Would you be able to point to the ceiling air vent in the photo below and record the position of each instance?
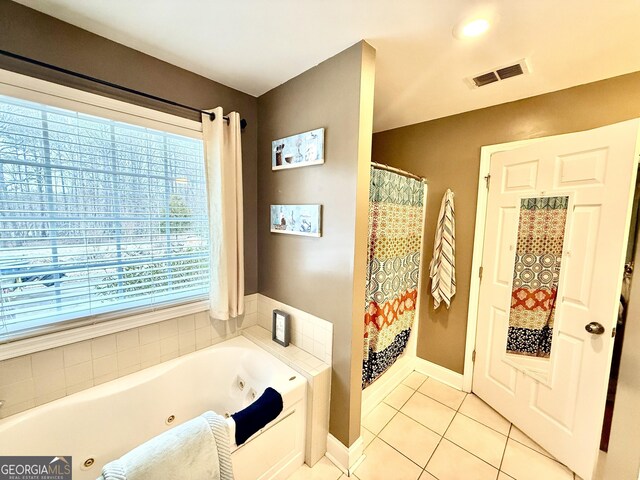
(485, 79)
(498, 74)
(510, 71)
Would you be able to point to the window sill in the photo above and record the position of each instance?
(58, 339)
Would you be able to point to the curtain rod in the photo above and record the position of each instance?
(212, 116)
(398, 171)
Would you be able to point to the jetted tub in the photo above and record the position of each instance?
(106, 421)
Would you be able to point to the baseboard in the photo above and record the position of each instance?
(376, 392)
(345, 458)
(442, 374)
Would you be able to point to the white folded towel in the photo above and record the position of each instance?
(196, 450)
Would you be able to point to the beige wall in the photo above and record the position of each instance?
(447, 152)
(323, 276)
(33, 34)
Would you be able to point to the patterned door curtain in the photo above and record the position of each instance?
(535, 275)
(395, 237)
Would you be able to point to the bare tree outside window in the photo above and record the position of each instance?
(95, 216)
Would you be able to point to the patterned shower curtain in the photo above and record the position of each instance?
(395, 237)
(535, 275)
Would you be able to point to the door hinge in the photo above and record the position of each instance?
(473, 357)
(488, 180)
(613, 332)
(480, 272)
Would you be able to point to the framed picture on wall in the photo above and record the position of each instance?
(281, 328)
(297, 219)
(299, 150)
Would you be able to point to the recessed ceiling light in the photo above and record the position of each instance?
(472, 28)
(475, 27)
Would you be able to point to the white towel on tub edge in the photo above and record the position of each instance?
(197, 449)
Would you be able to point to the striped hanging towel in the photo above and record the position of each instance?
(443, 263)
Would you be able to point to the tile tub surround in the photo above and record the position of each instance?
(310, 353)
(31, 380)
(308, 332)
(318, 376)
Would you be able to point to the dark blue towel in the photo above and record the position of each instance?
(257, 415)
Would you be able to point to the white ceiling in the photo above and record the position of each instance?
(255, 45)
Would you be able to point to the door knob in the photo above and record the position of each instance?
(594, 328)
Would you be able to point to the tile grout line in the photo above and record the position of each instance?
(394, 448)
(442, 436)
(403, 404)
(457, 411)
(391, 446)
(482, 423)
(505, 448)
(462, 448)
(470, 453)
(340, 473)
(441, 403)
(377, 435)
(420, 423)
(531, 448)
(536, 451)
(486, 426)
(462, 413)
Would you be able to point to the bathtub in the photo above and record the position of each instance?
(99, 424)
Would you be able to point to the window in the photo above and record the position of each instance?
(96, 217)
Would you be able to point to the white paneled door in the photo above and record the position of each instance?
(559, 401)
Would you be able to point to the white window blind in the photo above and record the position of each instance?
(96, 217)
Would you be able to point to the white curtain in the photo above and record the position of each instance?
(223, 165)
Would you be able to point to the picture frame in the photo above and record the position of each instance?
(300, 150)
(281, 328)
(305, 220)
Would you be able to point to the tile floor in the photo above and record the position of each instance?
(427, 430)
